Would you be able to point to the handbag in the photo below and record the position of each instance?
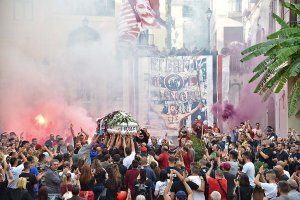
(222, 187)
(67, 195)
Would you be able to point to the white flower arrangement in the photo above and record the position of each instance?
(120, 122)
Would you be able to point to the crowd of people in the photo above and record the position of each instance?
(240, 165)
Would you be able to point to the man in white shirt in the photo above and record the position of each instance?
(269, 187)
(195, 178)
(15, 171)
(248, 168)
(129, 152)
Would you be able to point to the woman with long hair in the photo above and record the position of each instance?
(43, 193)
(66, 185)
(87, 182)
(21, 193)
(161, 185)
(100, 176)
(142, 185)
(113, 182)
(243, 188)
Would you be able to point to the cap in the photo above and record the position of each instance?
(226, 166)
(292, 183)
(38, 146)
(181, 195)
(144, 149)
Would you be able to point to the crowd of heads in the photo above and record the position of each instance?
(140, 166)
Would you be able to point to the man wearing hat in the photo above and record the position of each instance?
(230, 180)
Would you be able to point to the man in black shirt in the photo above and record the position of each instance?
(265, 154)
(281, 155)
(179, 186)
(230, 180)
(31, 179)
(172, 166)
(294, 157)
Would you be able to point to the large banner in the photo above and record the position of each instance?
(181, 90)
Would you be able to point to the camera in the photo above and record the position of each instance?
(174, 175)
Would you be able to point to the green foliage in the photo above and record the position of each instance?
(198, 146)
(258, 164)
(294, 7)
(282, 60)
(280, 21)
(294, 99)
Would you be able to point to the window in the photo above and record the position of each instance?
(105, 7)
(143, 39)
(187, 11)
(235, 5)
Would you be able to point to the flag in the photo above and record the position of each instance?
(136, 16)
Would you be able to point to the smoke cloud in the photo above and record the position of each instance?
(67, 85)
(250, 107)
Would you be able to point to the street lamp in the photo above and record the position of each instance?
(208, 15)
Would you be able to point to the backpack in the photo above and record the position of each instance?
(141, 188)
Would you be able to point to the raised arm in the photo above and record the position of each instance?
(118, 141)
(24, 159)
(72, 130)
(132, 144)
(258, 176)
(49, 152)
(192, 111)
(168, 188)
(209, 171)
(86, 135)
(10, 176)
(187, 188)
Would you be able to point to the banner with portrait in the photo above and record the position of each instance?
(181, 90)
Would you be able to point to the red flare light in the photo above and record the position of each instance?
(40, 120)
